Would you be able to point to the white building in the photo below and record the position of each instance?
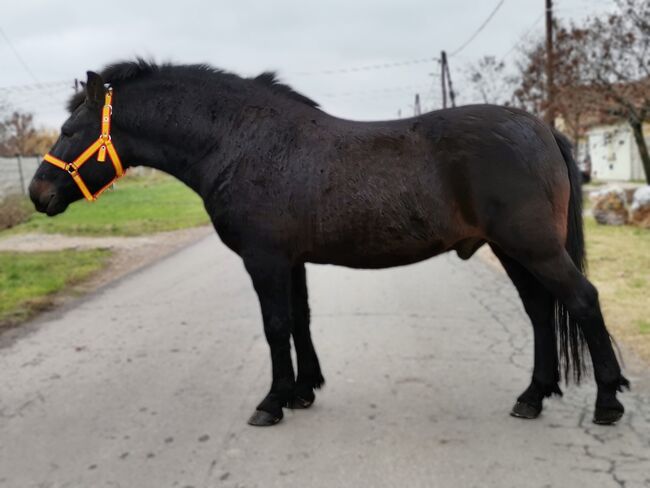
(614, 154)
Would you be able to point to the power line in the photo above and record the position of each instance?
(368, 67)
(18, 56)
(35, 86)
(379, 91)
(524, 37)
(478, 31)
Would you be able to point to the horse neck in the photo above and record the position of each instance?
(185, 141)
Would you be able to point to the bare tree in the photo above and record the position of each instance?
(530, 93)
(615, 50)
(571, 101)
(19, 136)
(489, 81)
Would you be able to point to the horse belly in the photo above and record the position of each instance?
(375, 248)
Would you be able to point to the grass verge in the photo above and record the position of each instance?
(28, 281)
(619, 266)
(138, 206)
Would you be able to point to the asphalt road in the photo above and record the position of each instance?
(149, 382)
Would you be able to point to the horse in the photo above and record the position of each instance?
(285, 184)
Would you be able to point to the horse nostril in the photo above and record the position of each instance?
(47, 198)
(41, 194)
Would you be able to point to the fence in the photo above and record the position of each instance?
(16, 173)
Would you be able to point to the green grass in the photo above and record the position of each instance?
(619, 266)
(644, 326)
(28, 280)
(137, 206)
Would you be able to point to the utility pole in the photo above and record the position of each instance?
(417, 109)
(549, 113)
(452, 94)
(443, 77)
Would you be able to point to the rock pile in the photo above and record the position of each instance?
(610, 206)
(616, 206)
(640, 208)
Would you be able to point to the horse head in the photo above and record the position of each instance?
(76, 167)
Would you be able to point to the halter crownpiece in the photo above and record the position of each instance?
(101, 146)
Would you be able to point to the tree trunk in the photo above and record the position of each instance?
(637, 129)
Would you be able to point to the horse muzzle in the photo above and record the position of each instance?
(45, 197)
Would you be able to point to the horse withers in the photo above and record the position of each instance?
(286, 184)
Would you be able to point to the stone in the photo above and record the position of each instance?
(610, 206)
(640, 208)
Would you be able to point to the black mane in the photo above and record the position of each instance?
(270, 79)
(124, 71)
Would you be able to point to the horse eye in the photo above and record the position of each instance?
(66, 133)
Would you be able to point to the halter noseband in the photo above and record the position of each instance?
(101, 146)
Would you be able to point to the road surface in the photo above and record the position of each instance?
(149, 382)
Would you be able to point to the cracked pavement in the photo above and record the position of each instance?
(149, 382)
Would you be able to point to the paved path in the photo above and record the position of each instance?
(149, 382)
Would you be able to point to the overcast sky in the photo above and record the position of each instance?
(58, 41)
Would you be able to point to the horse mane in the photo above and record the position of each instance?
(124, 71)
(270, 79)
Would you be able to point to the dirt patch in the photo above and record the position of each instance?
(132, 253)
(127, 254)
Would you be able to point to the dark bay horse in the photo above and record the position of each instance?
(285, 184)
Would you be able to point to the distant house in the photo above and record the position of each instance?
(614, 153)
(603, 140)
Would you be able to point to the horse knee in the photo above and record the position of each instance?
(584, 305)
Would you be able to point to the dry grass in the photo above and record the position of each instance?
(619, 266)
(14, 209)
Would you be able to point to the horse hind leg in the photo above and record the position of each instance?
(309, 372)
(561, 277)
(539, 305)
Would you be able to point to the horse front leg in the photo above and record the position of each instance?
(271, 276)
(309, 372)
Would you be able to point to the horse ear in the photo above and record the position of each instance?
(94, 88)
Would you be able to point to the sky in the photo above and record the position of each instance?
(315, 46)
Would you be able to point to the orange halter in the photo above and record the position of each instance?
(101, 146)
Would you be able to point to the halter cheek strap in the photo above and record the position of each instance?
(101, 146)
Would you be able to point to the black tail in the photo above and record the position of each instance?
(571, 341)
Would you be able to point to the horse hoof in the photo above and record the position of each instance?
(523, 410)
(607, 416)
(260, 418)
(299, 403)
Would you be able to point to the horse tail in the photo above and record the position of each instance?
(571, 341)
